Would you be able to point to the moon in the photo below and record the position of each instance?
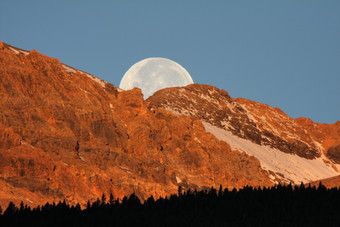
(153, 74)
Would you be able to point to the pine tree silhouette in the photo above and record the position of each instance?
(280, 205)
(112, 199)
(11, 209)
(103, 201)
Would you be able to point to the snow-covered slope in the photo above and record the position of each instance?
(280, 166)
(64, 136)
(290, 150)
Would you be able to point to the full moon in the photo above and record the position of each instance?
(153, 74)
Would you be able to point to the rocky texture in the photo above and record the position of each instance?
(247, 119)
(65, 134)
(328, 182)
(316, 136)
(334, 153)
(269, 129)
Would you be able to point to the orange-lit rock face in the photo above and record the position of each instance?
(318, 136)
(259, 123)
(290, 150)
(273, 120)
(328, 182)
(65, 134)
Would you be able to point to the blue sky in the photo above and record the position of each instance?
(282, 53)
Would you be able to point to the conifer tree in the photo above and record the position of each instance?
(22, 207)
(220, 191)
(88, 205)
(103, 199)
(179, 191)
(11, 209)
(112, 199)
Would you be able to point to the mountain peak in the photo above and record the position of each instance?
(267, 128)
(66, 134)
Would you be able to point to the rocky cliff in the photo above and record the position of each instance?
(66, 134)
(291, 150)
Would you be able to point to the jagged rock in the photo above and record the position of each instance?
(334, 153)
(260, 130)
(66, 134)
(259, 123)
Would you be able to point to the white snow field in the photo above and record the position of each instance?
(292, 167)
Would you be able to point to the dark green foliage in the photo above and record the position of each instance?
(275, 206)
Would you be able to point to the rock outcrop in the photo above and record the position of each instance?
(310, 146)
(65, 134)
(247, 119)
(332, 182)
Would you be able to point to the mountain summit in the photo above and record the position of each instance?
(290, 150)
(66, 134)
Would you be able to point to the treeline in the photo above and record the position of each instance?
(276, 206)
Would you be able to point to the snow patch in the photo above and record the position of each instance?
(16, 51)
(227, 125)
(83, 90)
(250, 116)
(269, 127)
(197, 140)
(82, 158)
(293, 167)
(24, 52)
(68, 69)
(178, 180)
(208, 98)
(101, 82)
(71, 70)
(318, 146)
(30, 201)
(188, 112)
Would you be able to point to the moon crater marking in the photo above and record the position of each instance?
(153, 74)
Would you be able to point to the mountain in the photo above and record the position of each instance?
(290, 150)
(66, 134)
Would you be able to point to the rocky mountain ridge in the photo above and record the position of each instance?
(65, 134)
(267, 128)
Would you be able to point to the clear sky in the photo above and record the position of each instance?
(282, 53)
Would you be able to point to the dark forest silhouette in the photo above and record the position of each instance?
(276, 206)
